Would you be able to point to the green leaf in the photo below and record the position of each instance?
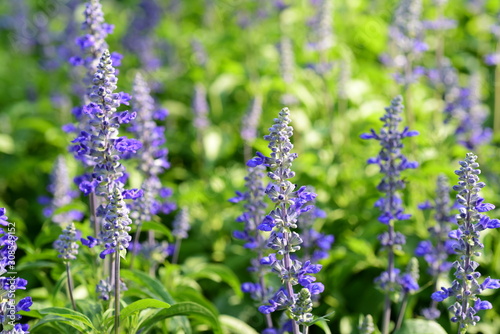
(123, 253)
(186, 293)
(321, 323)
(218, 273)
(323, 318)
(158, 227)
(140, 305)
(187, 309)
(151, 286)
(6, 144)
(234, 325)
(53, 321)
(420, 326)
(68, 314)
(155, 289)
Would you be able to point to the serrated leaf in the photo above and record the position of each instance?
(186, 309)
(420, 326)
(140, 305)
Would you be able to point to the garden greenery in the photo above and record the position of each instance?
(171, 208)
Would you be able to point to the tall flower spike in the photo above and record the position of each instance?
(140, 38)
(253, 239)
(66, 243)
(466, 288)
(494, 58)
(62, 195)
(406, 36)
(181, 224)
(315, 245)
(322, 38)
(251, 120)
(367, 326)
(470, 114)
(100, 140)
(391, 162)
(68, 250)
(287, 66)
(9, 283)
(282, 222)
(115, 225)
(93, 42)
(152, 156)
(200, 107)
(437, 250)
(180, 231)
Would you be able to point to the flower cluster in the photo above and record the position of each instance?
(282, 223)
(105, 288)
(440, 23)
(251, 120)
(445, 78)
(115, 225)
(93, 42)
(62, 195)
(152, 156)
(9, 284)
(322, 29)
(437, 250)
(66, 243)
(493, 59)
(181, 224)
(315, 245)
(200, 107)
(139, 39)
(406, 36)
(287, 66)
(470, 114)
(155, 251)
(465, 288)
(100, 140)
(253, 239)
(322, 37)
(391, 162)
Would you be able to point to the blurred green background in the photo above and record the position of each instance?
(240, 41)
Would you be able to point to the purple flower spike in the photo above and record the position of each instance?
(9, 284)
(466, 288)
(290, 205)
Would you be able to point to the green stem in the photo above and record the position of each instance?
(287, 262)
(496, 122)
(70, 286)
(151, 240)
(387, 301)
(175, 258)
(402, 311)
(136, 245)
(93, 217)
(117, 291)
